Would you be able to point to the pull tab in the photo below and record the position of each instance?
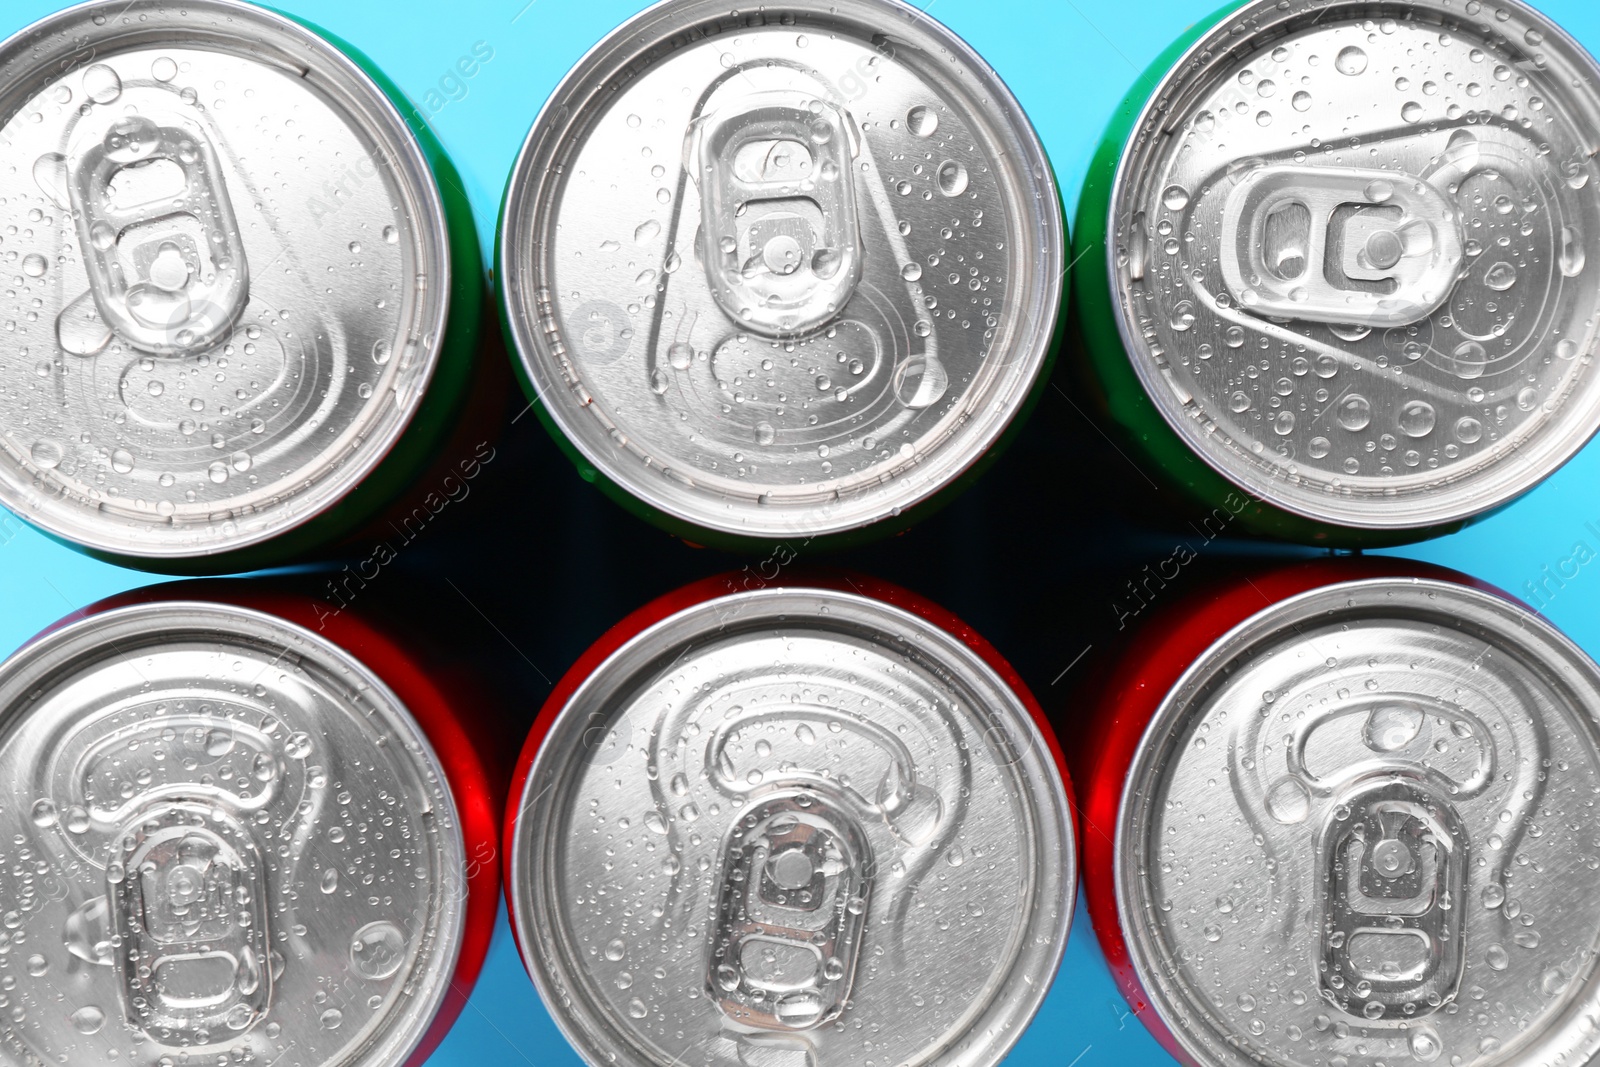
(188, 900)
(778, 233)
(796, 881)
(161, 243)
(1339, 245)
(1392, 907)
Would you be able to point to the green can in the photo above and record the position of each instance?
(248, 294)
(774, 276)
(1338, 264)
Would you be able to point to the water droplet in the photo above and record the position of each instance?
(680, 355)
(50, 175)
(330, 880)
(1288, 801)
(34, 265)
(217, 472)
(377, 950)
(922, 121)
(1500, 277)
(1379, 191)
(1572, 257)
(1527, 398)
(1212, 933)
(636, 1009)
(382, 352)
(952, 178)
(1496, 957)
(1319, 447)
(331, 1019)
(88, 1019)
(911, 271)
(1412, 111)
(766, 433)
(1182, 316)
(920, 382)
(646, 230)
(1494, 895)
(47, 454)
(122, 461)
(1391, 727)
(1283, 423)
(1468, 360)
(77, 820)
(1468, 430)
(1416, 418)
(38, 966)
(163, 69)
(1233, 337)
(1239, 402)
(1355, 412)
(44, 813)
(1176, 198)
(1351, 60)
(101, 84)
(1301, 101)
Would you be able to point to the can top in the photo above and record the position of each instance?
(1361, 828)
(228, 838)
(228, 276)
(763, 829)
(786, 271)
(1353, 252)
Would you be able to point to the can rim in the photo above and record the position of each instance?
(521, 210)
(79, 642)
(399, 143)
(1482, 606)
(1216, 38)
(677, 629)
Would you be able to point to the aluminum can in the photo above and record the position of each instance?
(230, 839)
(1344, 814)
(244, 286)
(757, 828)
(1344, 263)
(781, 273)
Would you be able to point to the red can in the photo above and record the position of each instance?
(1333, 811)
(753, 819)
(264, 823)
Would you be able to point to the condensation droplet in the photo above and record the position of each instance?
(101, 84)
(1355, 412)
(1350, 60)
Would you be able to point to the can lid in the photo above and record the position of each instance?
(1361, 828)
(231, 276)
(763, 828)
(228, 838)
(1353, 255)
(786, 271)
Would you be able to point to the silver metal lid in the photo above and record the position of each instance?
(762, 829)
(1354, 253)
(1361, 829)
(785, 271)
(225, 839)
(227, 276)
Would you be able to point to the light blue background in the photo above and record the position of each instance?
(1069, 61)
